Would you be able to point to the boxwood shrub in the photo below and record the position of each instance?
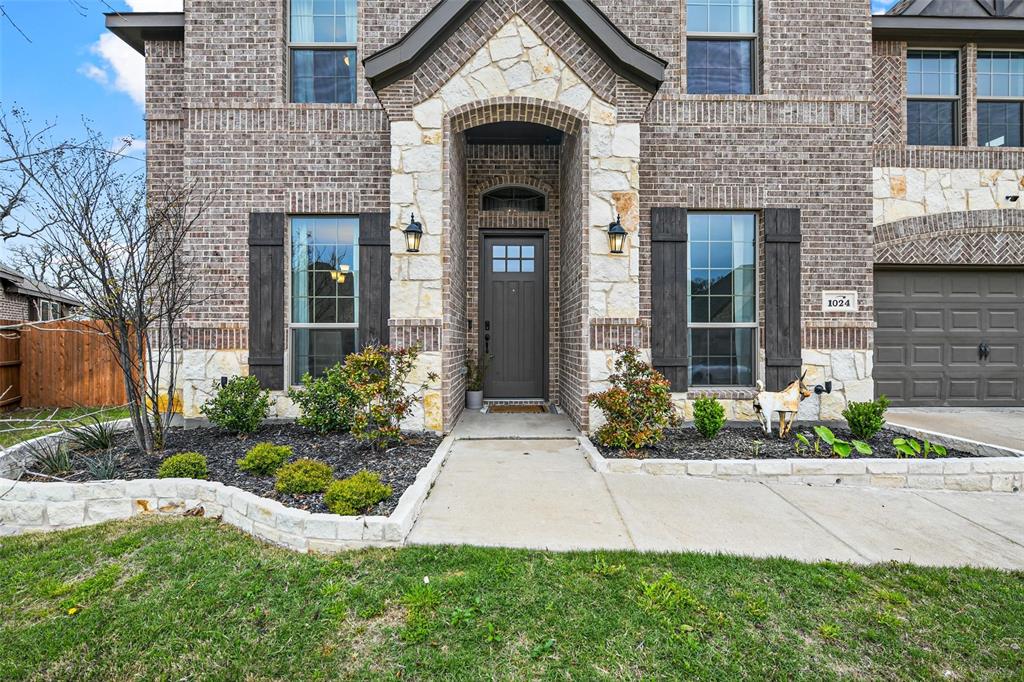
(264, 459)
(183, 465)
(355, 494)
(304, 476)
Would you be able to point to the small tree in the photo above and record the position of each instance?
(127, 263)
(378, 399)
(638, 406)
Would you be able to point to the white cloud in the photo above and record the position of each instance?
(124, 69)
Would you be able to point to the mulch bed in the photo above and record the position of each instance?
(397, 467)
(741, 442)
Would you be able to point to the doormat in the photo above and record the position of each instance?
(517, 409)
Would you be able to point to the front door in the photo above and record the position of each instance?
(513, 315)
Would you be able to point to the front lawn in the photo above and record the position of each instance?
(190, 599)
(20, 425)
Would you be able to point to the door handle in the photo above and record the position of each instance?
(487, 344)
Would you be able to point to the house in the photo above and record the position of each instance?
(23, 299)
(742, 188)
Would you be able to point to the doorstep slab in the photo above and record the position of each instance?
(539, 494)
(670, 514)
(474, 425)
(898, 525)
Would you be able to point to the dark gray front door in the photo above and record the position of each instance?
(513, 315)
(950, 337)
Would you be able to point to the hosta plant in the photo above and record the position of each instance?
(637, 407)
(840, 448)
(908, 447)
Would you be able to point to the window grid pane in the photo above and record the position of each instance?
(1001, 74)
(719, 67)
(323, 76)
(931, 122)
(323, 21)
(722, 274)
(720, 16)
(1000, 124)
(933, 73)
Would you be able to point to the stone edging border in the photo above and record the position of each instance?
(29, 506)
(982, 474)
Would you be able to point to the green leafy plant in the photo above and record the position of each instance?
(866, 419)
(840, 448)
(303, 476)
(264, 458)
(378, 399)
(92, 435)
(355, 494)
(637, 407)
(801, 443)
(49, 456)
(476, 372)
(908, 447)
(183, 465)
(321, 407)
(708, 416)
(103, 466)
(240, 405)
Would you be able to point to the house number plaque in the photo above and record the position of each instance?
(839, 301)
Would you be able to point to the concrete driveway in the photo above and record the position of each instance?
(999, 426)
(542, 494)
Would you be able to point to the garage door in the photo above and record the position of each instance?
(950, 337)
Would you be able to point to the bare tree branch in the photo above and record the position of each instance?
(3, 11)
(20, 143)
(41, 262)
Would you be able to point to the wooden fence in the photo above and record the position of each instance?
(59, 364)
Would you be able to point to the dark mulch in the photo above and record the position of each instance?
(397, 467)
(740, 443)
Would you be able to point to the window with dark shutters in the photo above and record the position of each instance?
(266, 298)
(669, 352)
(782, 297)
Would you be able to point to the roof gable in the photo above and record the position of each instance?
(621, 54)
(959, 8)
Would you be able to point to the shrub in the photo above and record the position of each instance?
(320, 401)
(265, 458)
(183, 465)
(240, 405)
(92, 435)
(637, 407)
(303, 476)
(378, 400)
(866, 419)
(355, 494)
(708, 416)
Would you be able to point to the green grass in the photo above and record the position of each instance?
(20, 425)
(190, 599)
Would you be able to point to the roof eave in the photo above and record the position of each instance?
(135, 28)
(968, 29)
(622, 55)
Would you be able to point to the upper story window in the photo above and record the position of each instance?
(513, 198)
(322, 39)
(720, 46)
(1000, 99)
(933, 96)
(325, 292)
(722, 298)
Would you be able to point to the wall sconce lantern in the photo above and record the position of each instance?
(616, 235)
(413, 235)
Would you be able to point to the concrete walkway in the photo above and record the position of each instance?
(541, 494)
(1000, 426)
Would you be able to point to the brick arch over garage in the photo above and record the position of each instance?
(987, 237)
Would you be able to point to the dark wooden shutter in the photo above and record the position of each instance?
(782, 297)
(669, 335)
(266, 298)
(374, 277)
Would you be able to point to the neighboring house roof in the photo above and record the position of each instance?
(622, 55)
(18, 283)
(135, 28)
(981, 21)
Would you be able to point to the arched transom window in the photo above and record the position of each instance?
(513, 198)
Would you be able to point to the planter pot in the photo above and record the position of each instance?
(474, 400)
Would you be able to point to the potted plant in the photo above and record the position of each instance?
(475, 372)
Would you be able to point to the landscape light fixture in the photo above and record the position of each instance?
(413, 235)
(616, 235)
(1012, 198)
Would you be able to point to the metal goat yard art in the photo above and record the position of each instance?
(786, 402)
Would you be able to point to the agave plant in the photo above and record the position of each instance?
(93, 435)
(49, 456)
(103, 466)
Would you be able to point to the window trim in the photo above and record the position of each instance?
(513, 185)
(753, 38)
(957, 99)
(291, 47)
(755, 325)
(291, 381)
(1009, 99)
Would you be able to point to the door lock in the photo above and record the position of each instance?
(983, 351)
(487, 344)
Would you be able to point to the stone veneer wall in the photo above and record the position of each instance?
(901, 193)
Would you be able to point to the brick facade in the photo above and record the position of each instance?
(826, 134)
